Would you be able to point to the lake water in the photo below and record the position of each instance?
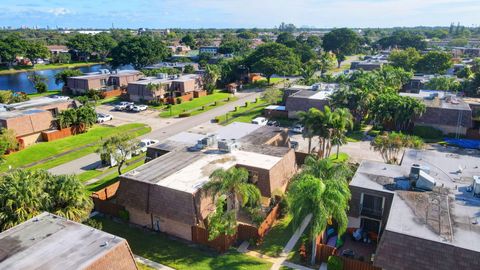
(19, 81)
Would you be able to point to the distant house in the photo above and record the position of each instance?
(160, 87)
(57, 49)
(445, 112)
(209, 49)
(29, 119)
(420, 214)
(166, 193)
(300, 98)
(51, 242)
(368, 65)
(110, 84)
(174, 65)
(179, 49)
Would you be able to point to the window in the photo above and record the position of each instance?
(372, 206)
(252, 177)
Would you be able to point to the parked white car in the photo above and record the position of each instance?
(123, 105)
(139, 108)
(143, 145)
(297, 128)
(262, 121)
(102, 117)
(61, 97)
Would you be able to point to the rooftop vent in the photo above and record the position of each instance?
(476, 186)
(162, 76)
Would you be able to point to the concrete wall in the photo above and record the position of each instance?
(399, 251)
(445, 119)
(281, 173)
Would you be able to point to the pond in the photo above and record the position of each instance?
(19, 82)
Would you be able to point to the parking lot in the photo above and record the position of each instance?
(149, 117)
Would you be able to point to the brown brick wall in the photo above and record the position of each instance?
(281, 173)
(398, 251)
(29, 124)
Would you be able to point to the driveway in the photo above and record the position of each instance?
(165, 127)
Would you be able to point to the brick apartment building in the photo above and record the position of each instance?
(109, 83)
(445, 112)
(160, 87)
(423, 210)
(301, 98)
(166, 193)
(51, 242)
(30, 118)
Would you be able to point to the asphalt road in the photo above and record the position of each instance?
(93, 160)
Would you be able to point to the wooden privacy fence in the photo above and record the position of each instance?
(247, 232)
(220, 244)
(324, 252)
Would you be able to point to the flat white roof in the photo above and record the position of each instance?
(321, 95)
(194, 176)
(275, 108)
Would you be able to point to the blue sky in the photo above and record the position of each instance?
(236, 13)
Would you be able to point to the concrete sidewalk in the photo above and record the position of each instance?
(151, 263)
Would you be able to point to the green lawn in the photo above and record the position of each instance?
(44, 150)
(277, 237)
(160, 248)
(112, 178)
(15, 69)
(144, 267)
(195, 106)
(342, 157)
(48, 93)
(244, 113)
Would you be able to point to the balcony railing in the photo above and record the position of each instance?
(376, 213)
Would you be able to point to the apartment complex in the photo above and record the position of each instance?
(110, 83)
(445, 112)
(51, 242)
(166, 193)
(424, 209)
(29, 119)
(301, 98)
(160, 87)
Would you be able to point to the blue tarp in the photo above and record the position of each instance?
(464, 143)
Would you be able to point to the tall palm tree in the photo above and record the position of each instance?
(233, 183)
(309, 121)
(342, 122)
(324, 198)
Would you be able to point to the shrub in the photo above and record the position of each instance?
(179, 100)
(215, 103)
(155, 103)
(93, 223)
(246, 103)
(190, 99)
(185, 114)
(124, 214)
(427, 132)
(334, 263)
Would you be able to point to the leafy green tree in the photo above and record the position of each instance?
(234, 46)
(189, 40)
(8, 141)
(323, 197)
(307, 71)
(11, 46)
(5, 96)
(435, 62)
(443, 83)
(211, 76)
(403, 39)
(103, 43)
(314, 42)
(326, 61)
(27, 193)
(82, 44)
(62, 76)
(221, 221)
(119, 148)
(406, 59)
(189, 69)
(287, 39)
(309, 121)
(458, 42)
(342, 42)
(139, 51)
(273, 58)
(272, 95)
(390, 144)
(62, 58)
(38, 82)
(342, 122)
(35, 50)
(82, 118)
(391, 109)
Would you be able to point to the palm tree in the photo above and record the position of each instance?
(342, 122)
(231, 187)
(323, 198)
(86, 117)
(308, 119)
(68, 198)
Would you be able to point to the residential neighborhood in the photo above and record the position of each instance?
(205, 135)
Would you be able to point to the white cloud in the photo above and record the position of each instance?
(59, 11)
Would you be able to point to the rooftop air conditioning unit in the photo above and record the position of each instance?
(415, 171)
(162, 76)
(476, 185)
(425, 181)
(227, 145)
